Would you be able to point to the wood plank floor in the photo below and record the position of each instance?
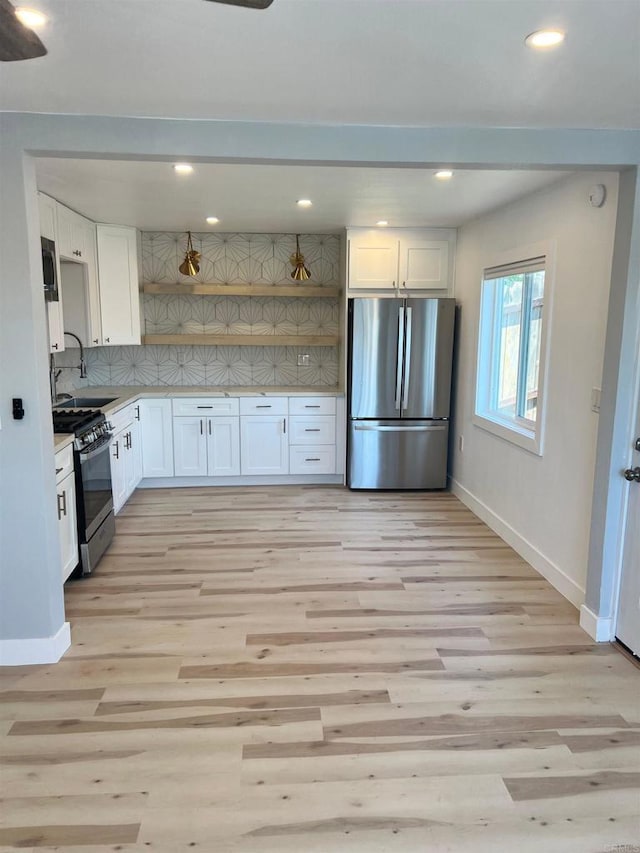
(301, 669)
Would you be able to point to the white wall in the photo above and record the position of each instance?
(541, 504)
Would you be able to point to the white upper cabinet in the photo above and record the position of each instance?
(47, 208)
(79, 276)
(424, 264)
(118, 282)
(395, 260)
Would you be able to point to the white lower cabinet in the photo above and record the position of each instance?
(126, 456)
(206, 446)
(156, 435)
(264, 445)
(66, 508)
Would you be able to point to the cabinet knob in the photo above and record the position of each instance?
(107, 340)
(96, 340)
(54, 346)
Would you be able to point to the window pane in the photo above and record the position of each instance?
(509, 320)
(536, 283)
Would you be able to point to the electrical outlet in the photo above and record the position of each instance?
(304, 359)
(461, 443)
(595, 400)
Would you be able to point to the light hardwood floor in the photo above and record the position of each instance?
(301, 669)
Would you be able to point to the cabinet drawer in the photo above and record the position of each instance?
(122, 419)
(64, 463)
(312, 405)
(204, 407)
(314, 430)
(264, 406)
(312, 460)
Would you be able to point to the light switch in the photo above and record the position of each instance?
(304, 359)
(595, 400)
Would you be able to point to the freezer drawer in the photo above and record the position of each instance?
(398, 455)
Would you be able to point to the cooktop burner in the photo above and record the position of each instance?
(76, 421)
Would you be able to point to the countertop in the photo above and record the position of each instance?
(61, 440)
(126, 394)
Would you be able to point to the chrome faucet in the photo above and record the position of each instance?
(54, 372)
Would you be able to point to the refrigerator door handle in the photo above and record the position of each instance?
(399, 428)
(407, 361)
(399, 357)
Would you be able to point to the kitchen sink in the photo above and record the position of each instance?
(85, 402)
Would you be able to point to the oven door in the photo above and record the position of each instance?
(95, 500)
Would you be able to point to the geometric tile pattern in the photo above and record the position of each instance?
(226, 258)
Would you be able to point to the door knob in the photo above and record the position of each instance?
(632, 474)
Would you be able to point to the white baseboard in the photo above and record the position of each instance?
(245, 480)
(598, 628)
(556, 577)
(35, 650)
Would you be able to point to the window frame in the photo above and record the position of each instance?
(524, 433)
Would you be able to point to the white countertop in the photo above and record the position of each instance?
(125, 394)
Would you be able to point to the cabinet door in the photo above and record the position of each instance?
(223, 447)
(119, 471)
(66, 496)
(156, 436)
(71, 234)
(118, 283)
(264, 445)
(90, 258)
(424, 264)
(135, 448)
(373, 261)
(190, 447)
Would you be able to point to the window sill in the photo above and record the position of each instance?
(527, 439)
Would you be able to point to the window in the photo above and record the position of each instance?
(511, 351)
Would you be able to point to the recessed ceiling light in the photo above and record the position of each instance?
(304, 202)
(182, 168)
(382, 222)
(544, 38)
(443, 174)
(30, 17)
(212, 220)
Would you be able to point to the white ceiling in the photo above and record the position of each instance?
(391, 62)
(263, 198)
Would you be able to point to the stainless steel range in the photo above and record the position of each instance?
(94, 500)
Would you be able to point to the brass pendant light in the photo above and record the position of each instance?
(191, 264)
(300, 271)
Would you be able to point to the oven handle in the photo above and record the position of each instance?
(91, 454)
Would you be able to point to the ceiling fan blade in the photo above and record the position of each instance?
(249, 4)
(16, 40)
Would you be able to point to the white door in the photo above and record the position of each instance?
(264, 445)
(628, 622)
(71, 234)
(66, 491)
(190, 447)
(118, 282)
(373, 261)
(90, 258)
(223, 447)
(424, 264)
(118, 470)
(156, 436)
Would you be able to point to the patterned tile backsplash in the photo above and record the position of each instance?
(229, 259)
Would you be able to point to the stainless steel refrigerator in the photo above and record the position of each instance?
(399, 389)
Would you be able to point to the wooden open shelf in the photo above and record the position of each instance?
(195, 288)
(245, 340)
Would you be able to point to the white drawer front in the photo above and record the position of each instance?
(122, 418)
(312, 405)
(64, 463)
(318, 430)
(203, 407)
(264, 406)
(312, 460)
